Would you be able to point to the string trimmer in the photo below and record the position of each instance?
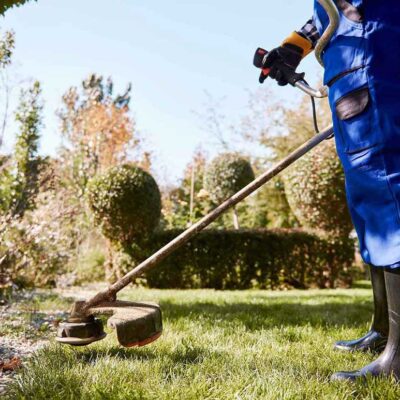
(138, 324)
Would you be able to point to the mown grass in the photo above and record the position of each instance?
(219, 345)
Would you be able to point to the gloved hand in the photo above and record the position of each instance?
(283, 58)
(281, 63)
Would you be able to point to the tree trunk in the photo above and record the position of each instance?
(192, 189)
(112, 269)
(236, 224)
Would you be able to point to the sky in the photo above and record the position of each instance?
(173, 52)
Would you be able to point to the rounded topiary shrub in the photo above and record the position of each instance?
(315, 190)
(126, 203)
(226, 175)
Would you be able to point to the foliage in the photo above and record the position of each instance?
(7, 46)
(44, 233)
(99, 133)
(19, 184)
(250, 258)
(20, 178)
(7, 4)
(250, 345)
(314, 185)
(278, 129)
(294, 127)
(268, 207)
(188, 202)
(98, 128)
(273, 199)
(315, 190)
(227, 174)
(42, 245)
(90, 266)
(126, 203)
(32, 256)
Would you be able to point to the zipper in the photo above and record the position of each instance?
(343, 74)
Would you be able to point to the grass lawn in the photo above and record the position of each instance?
(218, 345)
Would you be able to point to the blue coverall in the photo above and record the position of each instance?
(362, 70)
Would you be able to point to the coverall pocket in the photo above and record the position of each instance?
(354, 116)
(352, 104)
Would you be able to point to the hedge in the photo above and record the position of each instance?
(244, 259)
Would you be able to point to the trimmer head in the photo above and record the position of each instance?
(137, 324)
(80, 332)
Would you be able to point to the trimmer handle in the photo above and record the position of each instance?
(291, 76)
(294, 78)
(258, 62)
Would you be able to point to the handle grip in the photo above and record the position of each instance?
(258, 62)
(291, 76)
(294, 78)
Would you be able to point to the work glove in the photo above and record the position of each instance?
(288, 56)
(281, 63)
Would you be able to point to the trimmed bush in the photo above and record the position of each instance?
(315, 190)
(226, 175)
(250, 258)
(126, 203)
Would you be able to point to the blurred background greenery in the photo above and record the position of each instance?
(295, 231)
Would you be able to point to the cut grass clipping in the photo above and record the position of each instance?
(219, 345)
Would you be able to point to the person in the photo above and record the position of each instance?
(362, 71)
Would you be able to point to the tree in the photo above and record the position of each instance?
(20, 182)
(187, 202)
(7, 4)
(98, 128)
(19, 186)
(7, 46)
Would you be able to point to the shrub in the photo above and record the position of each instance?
(126, 203)
(315, 190)
(226, 175)
(250, 258)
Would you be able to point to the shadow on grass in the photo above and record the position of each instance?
(181, 355)
(90, 355)
(272, 314)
